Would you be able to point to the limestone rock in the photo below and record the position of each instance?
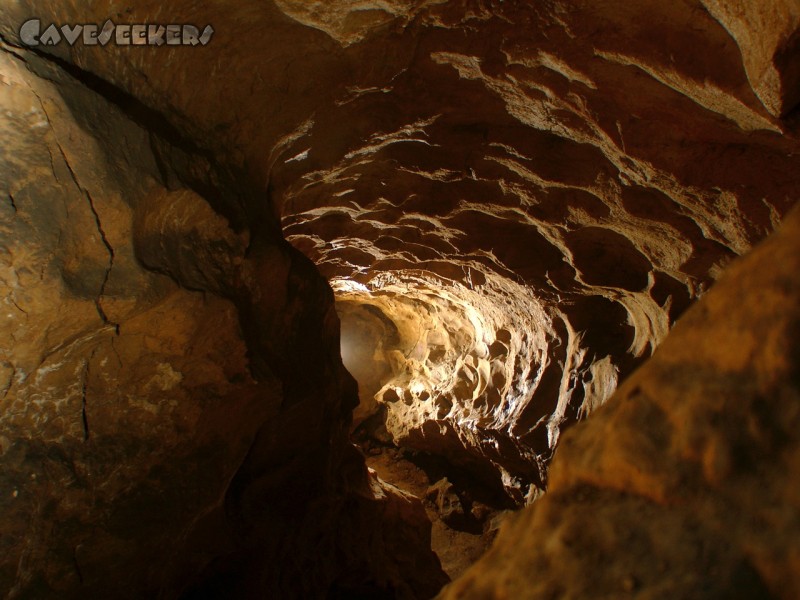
(768, 34)
(602, 166)
(174, 408)
(523, 197)
(527, 200)
(678, 486)
(447, 503)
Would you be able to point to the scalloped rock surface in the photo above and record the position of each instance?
(526, 203)
(513, 205)
(681, 486)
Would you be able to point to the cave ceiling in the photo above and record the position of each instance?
(509, 206)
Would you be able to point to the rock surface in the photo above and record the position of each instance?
(767, 34)
(531, 197)
(174, 411)
(457, 542)
(682, 485)
(516, 201)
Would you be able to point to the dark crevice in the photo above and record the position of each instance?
(77, 565)
(109, 248)
(18, 307)
(111, 256)
(114, 348)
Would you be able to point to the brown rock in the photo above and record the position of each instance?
(523, 197)
(447, 503)
(768, 34)
(174, 410)
(677, 487)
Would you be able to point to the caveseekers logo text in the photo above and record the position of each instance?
(32, 34)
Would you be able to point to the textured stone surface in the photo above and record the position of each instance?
(523, 198)
(457, 542)
(552, 185)
(682, 485)
(768, 34)
(174, 409)
(532, 197)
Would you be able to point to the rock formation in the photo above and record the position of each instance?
(531, 199)
(512, 205)
(680, 486)
(175, 412)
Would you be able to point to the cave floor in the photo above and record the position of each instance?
(462, 530)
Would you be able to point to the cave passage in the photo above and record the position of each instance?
(446, 369)
(418, 351)
(360, 298)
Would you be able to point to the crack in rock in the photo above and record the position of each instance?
(92, 206)
(103, 237)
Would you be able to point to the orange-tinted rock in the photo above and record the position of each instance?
(768, 34)
(530, 194)
(681, 485)
(174, 410)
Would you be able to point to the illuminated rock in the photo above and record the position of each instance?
(514, 203)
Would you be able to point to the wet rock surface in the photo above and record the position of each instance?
(530, 200)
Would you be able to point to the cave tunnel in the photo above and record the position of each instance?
(470, 299)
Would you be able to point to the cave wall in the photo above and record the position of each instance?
(534, 195)
(766, 33)
(547, 189)
(175, 412)
(683, 484)
(115, 379)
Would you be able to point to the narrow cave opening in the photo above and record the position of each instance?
(464, 511)
(440, 364)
